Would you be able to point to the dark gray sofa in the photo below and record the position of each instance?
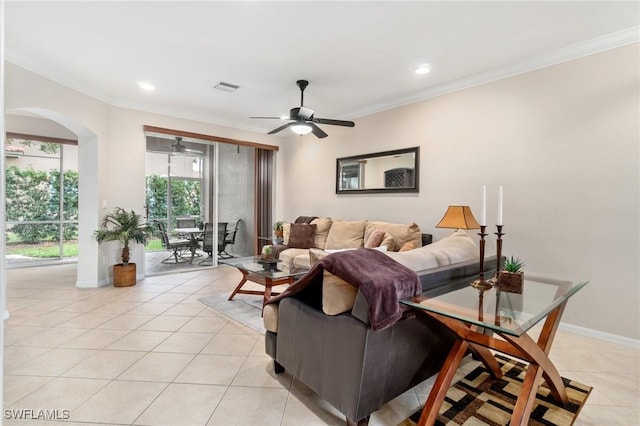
(354, 368)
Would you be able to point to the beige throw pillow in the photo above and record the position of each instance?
(346, 234)
(338, 296)
(402, 233)
(323, 225)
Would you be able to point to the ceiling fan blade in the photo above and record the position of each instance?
(317, 131)
(334, 122)
(269, 118)
(281, 128)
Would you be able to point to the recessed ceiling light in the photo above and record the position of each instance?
(423, 69)
(146, 86)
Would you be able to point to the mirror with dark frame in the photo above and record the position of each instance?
(379, 172)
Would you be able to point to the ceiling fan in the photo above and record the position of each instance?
(181, 149)
(302, 120)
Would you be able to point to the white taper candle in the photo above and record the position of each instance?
(483, 213)
(500, 206)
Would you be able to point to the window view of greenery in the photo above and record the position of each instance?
(185, 201)
(33, 205)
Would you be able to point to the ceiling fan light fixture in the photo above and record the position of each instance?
(301, 129)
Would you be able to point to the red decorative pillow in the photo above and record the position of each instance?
(302, 235)
(375, 238)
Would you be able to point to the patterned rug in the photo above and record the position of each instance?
(478, 399)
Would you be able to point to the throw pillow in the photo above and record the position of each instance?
(338, 296)
(389, 242)
(346, 234)
(375, 239)
(286, 231)
(302, 235)
(323, 224)
(408, 246)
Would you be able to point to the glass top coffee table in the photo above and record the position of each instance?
(268, 274)
(469, 311)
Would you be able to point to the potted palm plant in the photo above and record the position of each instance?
(126, 227)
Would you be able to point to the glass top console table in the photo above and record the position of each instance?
(468, 311)
(264, 273)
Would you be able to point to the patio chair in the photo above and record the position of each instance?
(177, 247)
(207, 241)
(229, 239)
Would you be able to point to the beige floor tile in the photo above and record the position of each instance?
(150, 308)
(165, 323)
(396, 410)
(61, 393)
(95, 339)
(140, 340)
(187, 309)
(170, 298)
(88, 320)
(17, 387)
(258, 372)
(53, 337)
(105, 364)
(157, 367)
(305, 407)
(250, 406)
(600, 415)
(201, 324)
(190, 343)
(231, 344)
(18, 355)
(53, 363)
(15, 334)
(119, 402)
(117, 307)
(234, 327)
(211, 370)
(196, 403)
(50, 319)
(127, 321)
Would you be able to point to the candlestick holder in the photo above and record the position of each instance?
(499, 249)
(481, 283)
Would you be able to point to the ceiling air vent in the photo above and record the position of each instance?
(227, 87)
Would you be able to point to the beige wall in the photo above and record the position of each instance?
(564, 143)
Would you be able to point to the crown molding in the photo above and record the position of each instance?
(575, 51)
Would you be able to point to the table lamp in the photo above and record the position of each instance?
(460, 217)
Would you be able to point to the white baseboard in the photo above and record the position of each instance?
(601, 335)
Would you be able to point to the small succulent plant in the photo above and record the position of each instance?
(267, 250)
(513, 265)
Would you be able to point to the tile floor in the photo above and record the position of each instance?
(153, 355)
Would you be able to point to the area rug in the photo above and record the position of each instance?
(479, 399)
(246, 309)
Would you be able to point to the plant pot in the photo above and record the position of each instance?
(511, 282)
(267, 257)
(124, 275)
(279, 233)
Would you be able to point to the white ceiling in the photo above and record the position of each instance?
(358, 56)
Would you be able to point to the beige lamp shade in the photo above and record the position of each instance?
(458, 217)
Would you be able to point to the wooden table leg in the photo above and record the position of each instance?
(242, 281)
(442, 383)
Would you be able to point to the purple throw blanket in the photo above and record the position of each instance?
(382, 281)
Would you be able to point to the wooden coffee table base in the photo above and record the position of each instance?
(522, 347)
(267, 282)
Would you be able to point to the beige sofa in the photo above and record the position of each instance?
(334, 235)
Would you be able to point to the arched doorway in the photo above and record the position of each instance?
(88, 271)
